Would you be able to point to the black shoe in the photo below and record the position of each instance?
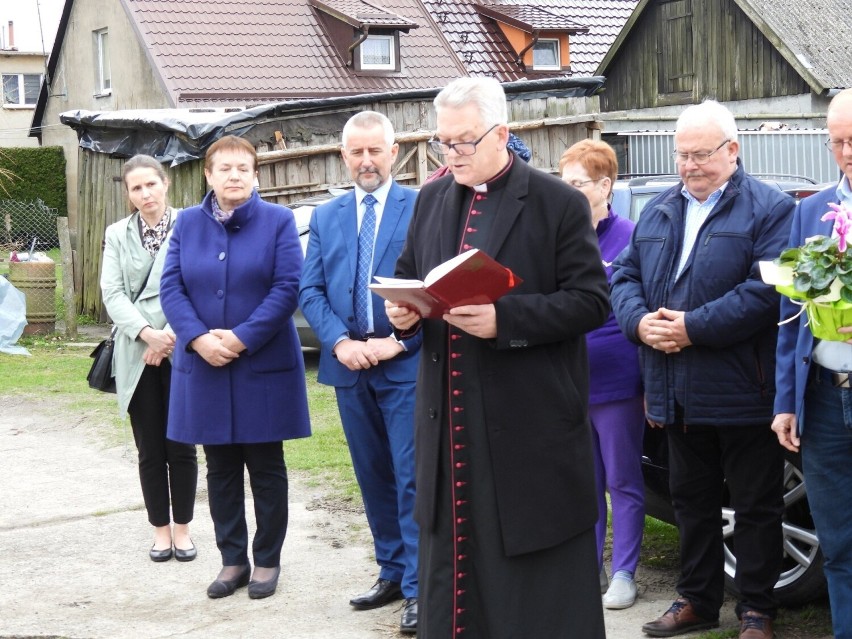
(160, 555)
(382, 592)
(261, 589)
(408, 623)
(187, 554)
(226, 587)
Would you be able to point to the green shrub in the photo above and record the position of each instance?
(32, 194)
(35, 173)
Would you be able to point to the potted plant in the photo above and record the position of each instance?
(818, 276)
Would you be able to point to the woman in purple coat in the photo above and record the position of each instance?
(229, 290)
(615, 399)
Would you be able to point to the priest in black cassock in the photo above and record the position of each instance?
(504, 473)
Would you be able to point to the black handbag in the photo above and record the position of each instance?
(100, 375)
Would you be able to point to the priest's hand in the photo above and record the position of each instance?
(401, 317)
(479, 320)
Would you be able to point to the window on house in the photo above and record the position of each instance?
(103, 78)
(677, 68)
(21, 89)
(378, 52)
(546, 55)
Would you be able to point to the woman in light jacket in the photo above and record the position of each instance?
(134, 253)
(230, 288)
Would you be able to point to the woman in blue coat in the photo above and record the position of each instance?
(229, 290)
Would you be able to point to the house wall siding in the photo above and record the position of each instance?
(134, 85)
(728, 57)
(15, 121)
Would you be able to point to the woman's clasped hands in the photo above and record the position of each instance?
(218, 347)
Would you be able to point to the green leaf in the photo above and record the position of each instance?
(802, 282)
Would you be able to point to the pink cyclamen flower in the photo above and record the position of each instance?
(842, 223)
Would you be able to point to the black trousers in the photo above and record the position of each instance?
(752, 463)
(168, 470)
(225, 487)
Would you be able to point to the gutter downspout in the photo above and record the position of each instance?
(520, 58)
(365, 31)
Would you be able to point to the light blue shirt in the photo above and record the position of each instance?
(836, 356)
(696, 214)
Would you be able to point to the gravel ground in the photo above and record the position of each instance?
(74, 540)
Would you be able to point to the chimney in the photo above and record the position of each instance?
(11, 35)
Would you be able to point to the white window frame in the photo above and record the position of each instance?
(548, 67)
(391, 66)
(22, 94)
(103, 71)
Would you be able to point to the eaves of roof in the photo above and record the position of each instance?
(529, 18)
(359, 13)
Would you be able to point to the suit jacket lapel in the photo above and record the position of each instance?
(391, 215)
(347, 219)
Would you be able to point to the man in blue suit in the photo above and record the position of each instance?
(352, 238)
(814, 390)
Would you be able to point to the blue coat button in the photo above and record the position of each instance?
(221, 256)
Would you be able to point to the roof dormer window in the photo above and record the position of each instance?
(365, 34)
(378, 53)
(546, 55)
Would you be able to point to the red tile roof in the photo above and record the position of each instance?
(220, 52)
(483, 50)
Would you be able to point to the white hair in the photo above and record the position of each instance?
(485, 93)
(367, 120)
(708, 112)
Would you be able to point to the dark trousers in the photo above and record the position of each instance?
(168, 470)
(226, 492)
(751, 462)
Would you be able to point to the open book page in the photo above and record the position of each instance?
(442, 269)
(392, 281)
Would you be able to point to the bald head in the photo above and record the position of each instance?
(839, 123)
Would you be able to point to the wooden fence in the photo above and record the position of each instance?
(309, 165)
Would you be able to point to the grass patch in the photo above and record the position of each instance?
(58, 370)
(325, 455)
(660, 545)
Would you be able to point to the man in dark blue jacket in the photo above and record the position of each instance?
(688, 290)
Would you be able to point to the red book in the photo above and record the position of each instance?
(469, 278)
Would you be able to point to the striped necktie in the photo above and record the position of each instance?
(366, 239)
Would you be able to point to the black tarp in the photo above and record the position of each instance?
(182, 135)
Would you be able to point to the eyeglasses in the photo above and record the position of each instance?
(699, 157)
(581, 183)
(461, 148)
(837, 145)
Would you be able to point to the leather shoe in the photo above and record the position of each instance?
(261, 589)
(160, 555)
(754, 625)
(678, 619)
(408, 623)
(186, 554)
(226, 587)
(382, 592)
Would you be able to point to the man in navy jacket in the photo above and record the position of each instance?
(688, 290)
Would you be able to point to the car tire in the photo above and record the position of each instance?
(802, 578)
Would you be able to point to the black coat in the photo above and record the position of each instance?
(535, 372)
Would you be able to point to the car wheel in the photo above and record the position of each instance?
(801, 577)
